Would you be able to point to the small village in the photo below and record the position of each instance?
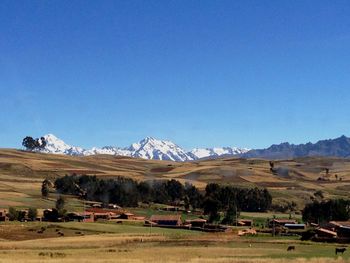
(172, 217)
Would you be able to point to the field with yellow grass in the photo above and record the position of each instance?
(110, 242)
(21, 174)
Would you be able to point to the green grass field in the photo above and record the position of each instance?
(110, 242)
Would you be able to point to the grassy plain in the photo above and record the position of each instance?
(108, 242)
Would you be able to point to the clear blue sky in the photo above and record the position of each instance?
(200, 73)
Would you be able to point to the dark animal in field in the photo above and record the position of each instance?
(60, 233)
(339, 250)
(290, 248)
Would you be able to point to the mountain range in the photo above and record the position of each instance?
(151, 148)
(339, 147)
(148, 148)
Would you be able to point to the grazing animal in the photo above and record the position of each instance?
(339, 250)
(290, 248)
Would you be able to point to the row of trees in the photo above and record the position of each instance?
(57, 212)
(21, 215)
(230, 200)
(128, 192)
(216, 200)
(327, 210)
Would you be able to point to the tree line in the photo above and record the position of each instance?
(231, 200)
(326, 210)
(128, 192)
(217, 199)
(22, 215)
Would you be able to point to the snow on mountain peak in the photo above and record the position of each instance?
(147, 148)
(151, 148)
(56, 145)
(200, 153)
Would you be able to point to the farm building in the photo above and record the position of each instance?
(102, 215)
(127, 216)
(3, 215)
(281, 222)
(80, 217)
(245, 222)
(74, 217)
(199, 222)
(88, 217)
(325, 233)
(104, 210)
(166, 220)
(140, 218)
(338, 224)
(295, 226)
(341, 227)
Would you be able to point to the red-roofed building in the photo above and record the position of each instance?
(166, 220)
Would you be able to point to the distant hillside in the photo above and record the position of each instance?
(339, 147)
(22, 172)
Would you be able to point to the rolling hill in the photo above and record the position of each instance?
(21, 174)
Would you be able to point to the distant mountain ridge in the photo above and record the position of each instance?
(339, 147)
(151, 148)
(148, 148)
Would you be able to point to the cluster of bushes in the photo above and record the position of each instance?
(22, 215)
(128, 192)
(324, 211)
(34, 144)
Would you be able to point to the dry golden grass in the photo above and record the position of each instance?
(23, 172)
(121, 248)
(132, 243)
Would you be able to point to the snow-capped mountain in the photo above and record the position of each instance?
(151, 148)
(56, 145)
(148, 148)
(199, 153)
